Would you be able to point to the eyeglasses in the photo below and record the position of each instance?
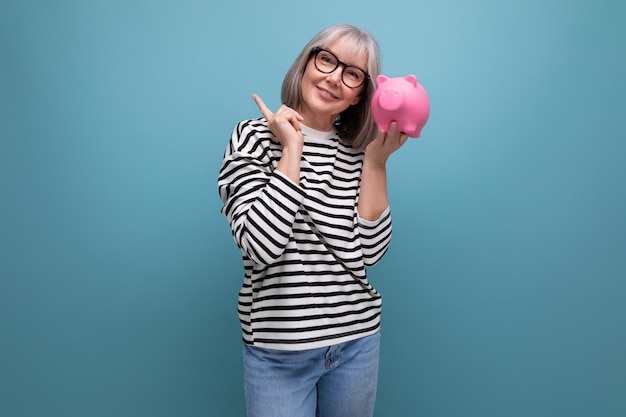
(327, 62)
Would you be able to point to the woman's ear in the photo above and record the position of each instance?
(356, 100)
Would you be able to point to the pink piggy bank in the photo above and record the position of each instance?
(403, 100)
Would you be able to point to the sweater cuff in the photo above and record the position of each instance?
(287, 186)
(373, 223)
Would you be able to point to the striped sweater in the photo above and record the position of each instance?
(305, 249)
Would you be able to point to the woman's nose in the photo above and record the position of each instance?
(335, 76)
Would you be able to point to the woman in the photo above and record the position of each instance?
(304, 190)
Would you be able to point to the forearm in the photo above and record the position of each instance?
(289, 163)
(373, 200)
(261, 218)
(373, 195)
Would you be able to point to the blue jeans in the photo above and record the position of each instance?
(335, 381)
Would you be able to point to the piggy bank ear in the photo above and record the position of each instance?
(381, 79)
(412, 79)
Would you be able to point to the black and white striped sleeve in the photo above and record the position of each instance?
(260, 203)
(375, 237)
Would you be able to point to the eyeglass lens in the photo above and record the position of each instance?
(327, 62)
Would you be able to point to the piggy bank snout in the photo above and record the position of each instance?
(391, 99)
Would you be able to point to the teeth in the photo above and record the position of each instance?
(327, 93)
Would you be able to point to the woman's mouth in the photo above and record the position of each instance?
(326, 93)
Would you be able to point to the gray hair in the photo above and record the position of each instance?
(355, 124)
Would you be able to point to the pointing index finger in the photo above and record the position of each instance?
(267, 113)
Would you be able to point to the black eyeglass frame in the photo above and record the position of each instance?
(315, 51)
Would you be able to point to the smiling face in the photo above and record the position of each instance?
(324, 96)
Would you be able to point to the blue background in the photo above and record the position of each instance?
(504, 286)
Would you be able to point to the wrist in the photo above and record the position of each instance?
(374, 163)
(292, 151)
